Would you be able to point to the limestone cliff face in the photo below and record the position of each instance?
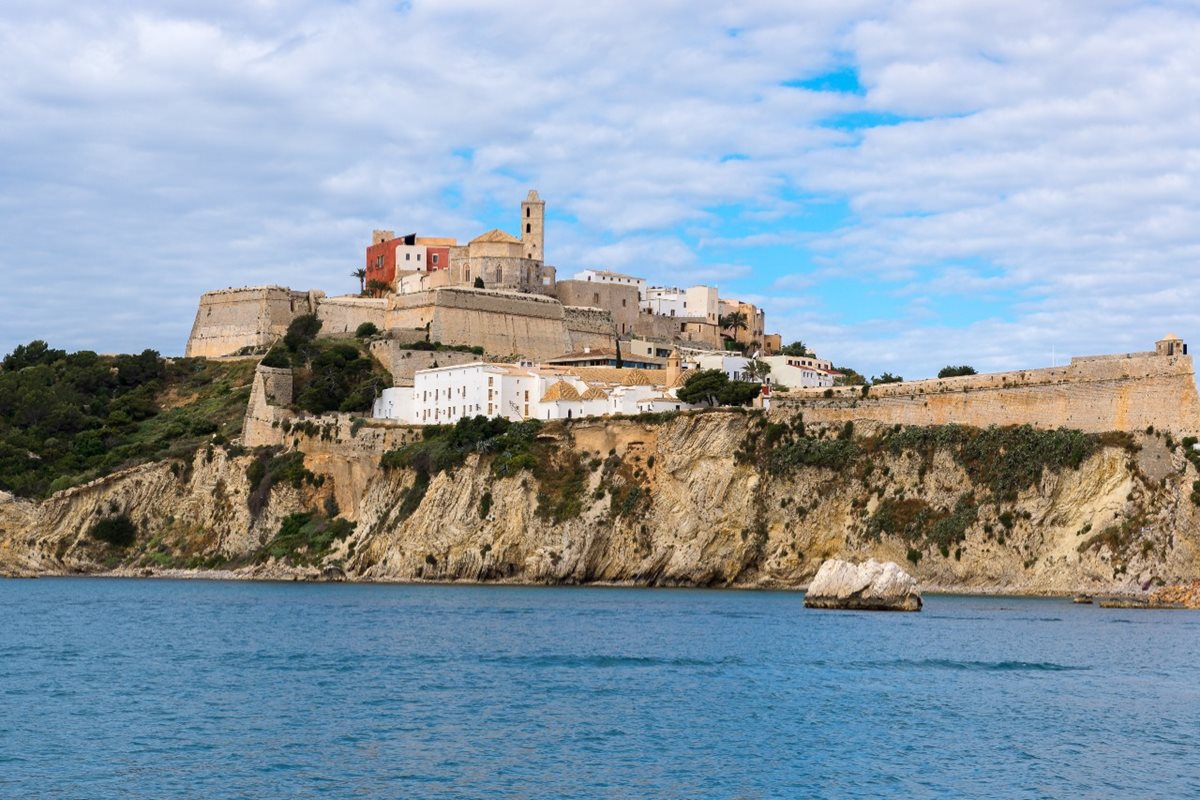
(688, 501)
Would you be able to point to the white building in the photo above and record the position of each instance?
(801, 372)
(444, 395)
(732, 365)
(605, 276)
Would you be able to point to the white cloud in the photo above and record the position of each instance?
(150, 152)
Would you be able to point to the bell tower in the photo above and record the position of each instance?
(533, 220)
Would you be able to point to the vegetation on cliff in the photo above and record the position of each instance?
(329, 374)
(67, 418)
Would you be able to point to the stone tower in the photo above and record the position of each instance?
(533, 221)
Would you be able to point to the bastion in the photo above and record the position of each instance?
(1125, 392)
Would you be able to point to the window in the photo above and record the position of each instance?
(434, 257)
(528, 228)
(418, 256)
(596, 298)
(526, 211)
(408, 256)
(623, 302)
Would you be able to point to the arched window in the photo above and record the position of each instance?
(527, 211)
(528, 227)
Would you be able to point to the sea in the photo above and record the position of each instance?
(114, 688)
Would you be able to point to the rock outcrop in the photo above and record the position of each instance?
(869, 586)
(707, 499)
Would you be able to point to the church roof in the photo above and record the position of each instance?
(496, 235)
(561, 390)
(1169, 337)
(595, 393)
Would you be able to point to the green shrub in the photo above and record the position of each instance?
(485, 505)
(305, 538)
(366, 330)
(118, 531)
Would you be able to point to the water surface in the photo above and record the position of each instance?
(149, 689)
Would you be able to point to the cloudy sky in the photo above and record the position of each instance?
(902, 185)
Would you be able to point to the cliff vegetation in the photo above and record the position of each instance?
(68, 418)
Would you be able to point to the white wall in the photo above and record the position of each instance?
(604, 276)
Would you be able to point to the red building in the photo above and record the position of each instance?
(388, 254)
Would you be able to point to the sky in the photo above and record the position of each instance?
(901, 185)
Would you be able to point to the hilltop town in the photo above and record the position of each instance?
(544, 347)
(467, 415)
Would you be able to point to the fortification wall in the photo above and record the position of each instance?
(1096, 394)
(503, 323)
(228, 320)
(341, 315)
(686, 329)
(588, 327)
(620, 300)
(402, 363)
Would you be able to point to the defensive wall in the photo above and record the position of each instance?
(620, 299)
(228, 320)
(1126, 392)
(403, 363)
(342, 315)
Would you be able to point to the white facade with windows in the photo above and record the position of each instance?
(444, 395)
(801, 372)
(605, 276)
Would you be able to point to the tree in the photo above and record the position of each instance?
(713, 387)
(887, 377)
(703, 387)
(954, 372)
(361, 274)
(302, 330)
(478, 282)
(377, 288)
(366, 329)
(734, 321)
(32, 354)
(758, 370)
(848, 376)
(796, 348)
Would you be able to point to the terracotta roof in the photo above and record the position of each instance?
(496, 235)
(561, 390)
(595, 393)
(599, 352)
(1169, 337)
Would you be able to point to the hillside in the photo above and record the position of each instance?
(723, 498)
(66, 419)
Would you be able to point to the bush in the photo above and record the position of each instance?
(305, 538)
(117, 531)
(277, 357)
(302, 330)
(485, 505)
(366, 329)
(954, 372)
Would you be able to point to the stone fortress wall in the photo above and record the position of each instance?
(343, 315)
(403, 363)
(231, 319)
(1126, 392)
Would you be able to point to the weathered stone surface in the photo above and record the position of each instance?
(872, 586)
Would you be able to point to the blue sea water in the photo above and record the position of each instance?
(173, 689)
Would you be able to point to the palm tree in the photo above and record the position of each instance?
(734, 321)
(758, 370)
(361, 274)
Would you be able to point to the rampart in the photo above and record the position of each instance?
(1096, 393)
(341, 315)
(587, 327)
(403, 363)
(231, 319)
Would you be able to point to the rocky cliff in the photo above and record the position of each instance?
(708, 499)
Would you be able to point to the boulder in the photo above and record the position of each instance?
(869, 586)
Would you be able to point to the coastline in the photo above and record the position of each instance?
(1115, 598)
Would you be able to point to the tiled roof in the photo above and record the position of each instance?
(496, 235)
(595, 393)
(561, 390)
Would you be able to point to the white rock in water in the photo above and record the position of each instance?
(872, 585)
